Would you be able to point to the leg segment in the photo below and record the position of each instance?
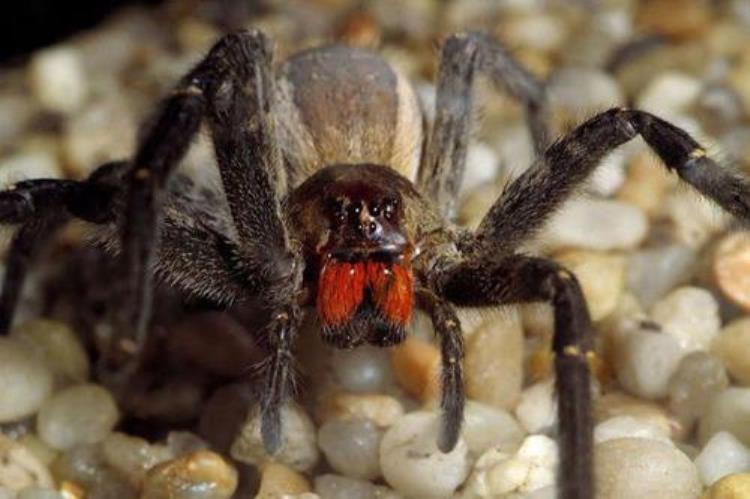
(444, 161)
(519, 279)
(453, 399)
(537, 193)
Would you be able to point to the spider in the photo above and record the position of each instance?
(318, 209)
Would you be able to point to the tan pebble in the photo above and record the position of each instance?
(674, 18)
(416, 364)
(181, 478)
(39, 448)
(646, 184)
(602, 278)
(494, 361)
(732, 346)
(20, 468)
(382, 410)
(71, 490)
(278, 481)
(731, 267)
(734, 486)
(614, 404)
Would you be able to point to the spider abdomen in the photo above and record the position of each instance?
(341, 105)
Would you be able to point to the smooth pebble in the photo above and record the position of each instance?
(199, 475)
(330, 486)
(366, 369)
(537, 410)
(728, 411)
(602, 278)
(732, 347)
(645, 360)
(414, 466)
(722, 456)
(20, 468)
(26, 381)
(58, 79)
(629, 427)
(58, 346)
(351, 447)
(697, 380)
(689, 314)
(486, 426)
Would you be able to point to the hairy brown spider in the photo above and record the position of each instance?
(318, 209)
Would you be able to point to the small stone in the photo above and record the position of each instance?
(690, 315)
(414, 466)
(342, 487)
(693, 220)
(616, 403)
(731, 267)
(498, 474)
(84, 467)
(39, 448)
(602, 278)
(674, 18)
(364, 369)
(20, 468)
(58, 346)
(133, 456)
(481, 166)
(646, 184)
(735, 486)
(537, 410)
(200, 475)
(493, 366)
(629, 427)
(670, 93)
(653, 272)
(722, 456)
(28, 165)
(26, 381)
(732, 346)
(728, 411)
(416, 364)
(278, 481)
(580, 91)
(645, 360)
(81, 414)
(58, 79)
(351, 447)
(597, 224)
(642, 467)
(383, 410)
(298, 449)
(40, 493)
(485, 427)
(698, 378)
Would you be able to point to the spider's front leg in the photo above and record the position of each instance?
(488, 281)
(442, 168)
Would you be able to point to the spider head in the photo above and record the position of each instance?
(354, 224)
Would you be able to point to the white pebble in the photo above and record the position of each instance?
(299, 449)
(532, 468)
(481, 166)
(628, 426)
(28, 165)
(690, 315)
(537, 411)
(58, 346)
(414, 466)
(331, 486)
(58, 79)
(364, 369)
(20, 468)
(643, 468)
(669, 94)
(26, 382)
(599, 224)
(486, 426)
(645, 361)
(653, 272)
(728, 411)
(721, 456)
(698, 378)
(81, 414)
(351, 447)
(39, 493)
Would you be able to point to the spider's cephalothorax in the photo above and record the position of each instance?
(337, 199)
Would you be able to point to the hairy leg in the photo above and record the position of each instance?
(520, 279)
(537, 193)
(448, 329)
(442, 169)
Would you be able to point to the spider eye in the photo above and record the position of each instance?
(375, 209)
(389, 208)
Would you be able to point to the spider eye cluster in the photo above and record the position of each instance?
(344, 211)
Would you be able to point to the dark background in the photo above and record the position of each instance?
(28, 24)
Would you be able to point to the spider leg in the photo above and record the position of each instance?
(243, 130)
(443, 164)
(448, 329)
(520, 279)
(530, 199)
(40, 206)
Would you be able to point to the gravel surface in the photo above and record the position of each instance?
(666, 276)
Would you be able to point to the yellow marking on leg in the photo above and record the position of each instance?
(698, 153)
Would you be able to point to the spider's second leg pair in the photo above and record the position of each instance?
(231, 89)
(491, 274)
